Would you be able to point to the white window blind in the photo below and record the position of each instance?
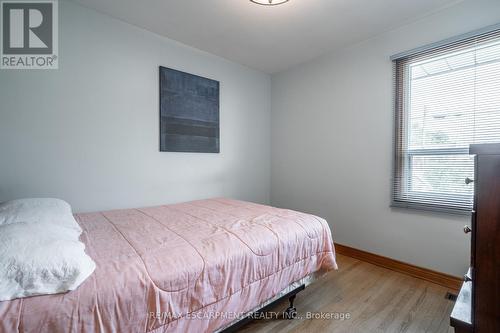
(446, 98)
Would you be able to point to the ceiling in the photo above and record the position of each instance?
(268, 38)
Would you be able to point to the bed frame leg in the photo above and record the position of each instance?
(291, 311)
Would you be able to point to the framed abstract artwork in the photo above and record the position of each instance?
(189, 112)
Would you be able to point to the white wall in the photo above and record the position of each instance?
(332, 126)
(88, 132)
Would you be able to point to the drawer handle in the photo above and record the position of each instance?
(468, 180)
(467, 229)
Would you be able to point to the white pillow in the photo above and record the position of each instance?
(41, 210)
(39, 258)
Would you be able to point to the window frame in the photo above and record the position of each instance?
(401, 169)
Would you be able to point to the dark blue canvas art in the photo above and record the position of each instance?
(189, 112)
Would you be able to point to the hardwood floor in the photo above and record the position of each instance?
(377, 300)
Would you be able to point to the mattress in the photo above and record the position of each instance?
(189, 267)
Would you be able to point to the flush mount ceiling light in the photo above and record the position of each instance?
(269, 2)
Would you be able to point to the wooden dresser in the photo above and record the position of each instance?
(478, 304)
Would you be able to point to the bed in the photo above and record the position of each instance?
(191, 267)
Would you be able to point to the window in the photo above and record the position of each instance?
(447, 98)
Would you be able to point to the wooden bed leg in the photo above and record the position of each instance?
(291, 311)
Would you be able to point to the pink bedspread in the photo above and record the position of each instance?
(189, 267)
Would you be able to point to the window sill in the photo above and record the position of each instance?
(431, 208)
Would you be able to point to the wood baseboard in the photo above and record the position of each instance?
(445, 280)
